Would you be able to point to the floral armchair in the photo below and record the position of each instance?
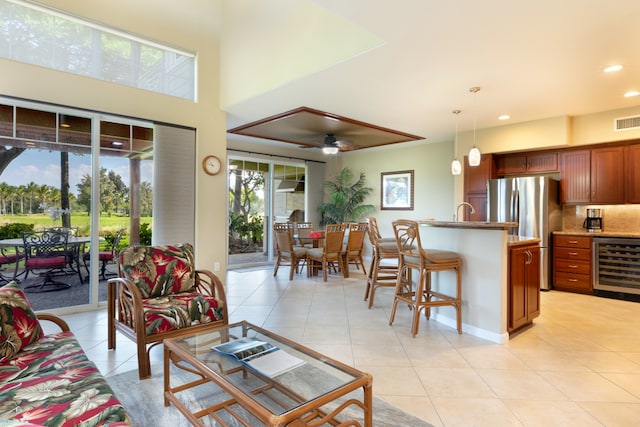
(159, 295)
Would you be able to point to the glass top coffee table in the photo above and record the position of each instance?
(279, 382)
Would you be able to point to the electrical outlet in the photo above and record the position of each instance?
(216, 266)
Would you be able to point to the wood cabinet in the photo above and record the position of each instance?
(475, 186)
(607, 175)
(632, 173)
(523, 294)
(572, 255)
(593, 176)
(527, 163)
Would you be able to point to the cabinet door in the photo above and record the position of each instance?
(632, 173)
(532, 266)
(479, 203)
(607, 175)
(512, 164)
(542, 162)
(575, 176)
(475, 177)
(517, 293)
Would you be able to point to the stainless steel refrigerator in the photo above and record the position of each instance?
(533, 203)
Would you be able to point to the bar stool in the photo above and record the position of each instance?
(380, 274)
(426, 261)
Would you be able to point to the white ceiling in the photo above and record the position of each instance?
(533, 59)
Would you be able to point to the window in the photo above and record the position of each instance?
(40, 36)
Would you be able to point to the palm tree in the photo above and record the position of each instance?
(346, 199)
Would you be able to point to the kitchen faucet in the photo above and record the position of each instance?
(456, 216)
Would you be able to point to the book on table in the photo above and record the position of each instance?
(262, 356)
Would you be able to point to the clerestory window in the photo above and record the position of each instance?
(41, 36)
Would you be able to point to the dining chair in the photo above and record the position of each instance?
(46, 252)
(287, 252)
(329, 253)
(352, 252)
(426, 261)
(106, 256)
(302, 230)
(383, 271)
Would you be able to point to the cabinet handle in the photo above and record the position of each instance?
(573, 242)
(572, 280)
(573, 253)
(572, 266)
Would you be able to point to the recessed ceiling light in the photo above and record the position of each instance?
(504, 117)
(631, 93)
(613, 68)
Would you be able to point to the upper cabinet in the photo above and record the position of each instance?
(607, 175)
(632, 173)
(593, 176)
(527, 163)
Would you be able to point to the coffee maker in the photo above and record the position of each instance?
(593, 221)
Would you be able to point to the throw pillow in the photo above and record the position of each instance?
(159, 270)
(19, 325)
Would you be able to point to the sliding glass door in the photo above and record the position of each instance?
(261, 192)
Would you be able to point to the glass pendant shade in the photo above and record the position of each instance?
(456, 167)
(474, 157)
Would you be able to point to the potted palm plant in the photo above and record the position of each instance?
(347, 199)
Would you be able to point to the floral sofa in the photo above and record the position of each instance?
(47, 380)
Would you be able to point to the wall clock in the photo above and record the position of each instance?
(211, 165)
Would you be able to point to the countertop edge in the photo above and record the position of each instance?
(481, 225)
(521, 241)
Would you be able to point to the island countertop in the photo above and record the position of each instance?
(471, 224)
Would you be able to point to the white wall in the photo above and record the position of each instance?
(433, 187)
(144, 17)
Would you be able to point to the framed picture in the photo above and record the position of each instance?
(396, 191)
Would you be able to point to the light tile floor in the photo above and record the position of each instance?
(578, 365)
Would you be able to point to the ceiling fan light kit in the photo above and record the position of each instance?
(330, 144)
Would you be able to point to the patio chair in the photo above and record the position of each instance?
(158, 295)
(47, 253)
(105, 257)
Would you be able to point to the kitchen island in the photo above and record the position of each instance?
(484, 249)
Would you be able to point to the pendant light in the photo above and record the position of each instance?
(456, 167)
(474, 154)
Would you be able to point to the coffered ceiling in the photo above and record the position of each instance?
(532, 59)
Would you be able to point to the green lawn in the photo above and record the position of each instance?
(107, 223)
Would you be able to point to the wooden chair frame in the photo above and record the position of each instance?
(287, 253)
(380, 274)
(124, 297)
(331, 251)
(414, 256)
(353, 249)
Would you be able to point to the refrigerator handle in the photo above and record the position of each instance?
(515, 206)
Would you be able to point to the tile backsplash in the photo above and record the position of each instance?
(622, 218)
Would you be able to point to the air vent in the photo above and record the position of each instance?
(626, 123)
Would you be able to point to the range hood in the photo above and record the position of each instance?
(290, 186)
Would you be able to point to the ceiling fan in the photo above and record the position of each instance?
(333, 145)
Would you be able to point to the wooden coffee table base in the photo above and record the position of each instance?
(308, 413)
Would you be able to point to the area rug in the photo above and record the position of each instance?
(145, 403)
